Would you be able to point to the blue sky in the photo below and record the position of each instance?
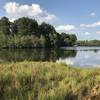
(81, 17)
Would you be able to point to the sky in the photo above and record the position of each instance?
(80, 17)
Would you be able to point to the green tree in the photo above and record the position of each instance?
(42, 41)
(26, 26)
(54, 39)
(73, 39)
(13, 29)
(46, 30)
(26, 33)
(4, 26)
(68, 39)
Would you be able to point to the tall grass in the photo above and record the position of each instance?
(48, 81)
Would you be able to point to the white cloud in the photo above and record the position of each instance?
(15, 10)
(98, 32)
(93, 25)
(90, 33)
(12, 19)
(50, 17)
(65, 28)
(93, 14)
(87, 33)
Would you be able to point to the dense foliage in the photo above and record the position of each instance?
(27, 33)
(48, 81)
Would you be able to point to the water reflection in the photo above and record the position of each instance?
(67, 61)
(35, 54)
(78, 56)
(86, 57)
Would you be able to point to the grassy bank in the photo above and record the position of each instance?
(48, 81)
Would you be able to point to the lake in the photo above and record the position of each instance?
(73, 56)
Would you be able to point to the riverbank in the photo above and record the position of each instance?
(48, 81)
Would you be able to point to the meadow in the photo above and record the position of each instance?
(48, 81)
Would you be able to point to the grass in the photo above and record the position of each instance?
(48, 81)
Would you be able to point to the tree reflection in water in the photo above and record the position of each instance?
(35, 55)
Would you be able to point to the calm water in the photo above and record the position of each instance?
(78, 57)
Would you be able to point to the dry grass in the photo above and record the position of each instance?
(48, 81)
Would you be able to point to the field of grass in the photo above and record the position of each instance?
(48, 81)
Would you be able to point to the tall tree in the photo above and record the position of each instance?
(47, 30)
(5, 26)
(26, 26)
(68, 39)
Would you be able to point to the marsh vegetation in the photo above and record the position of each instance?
(48, 81)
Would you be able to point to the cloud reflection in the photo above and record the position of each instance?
(67, 61)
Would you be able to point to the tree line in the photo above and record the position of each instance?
(28, 33)
(88, 43)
